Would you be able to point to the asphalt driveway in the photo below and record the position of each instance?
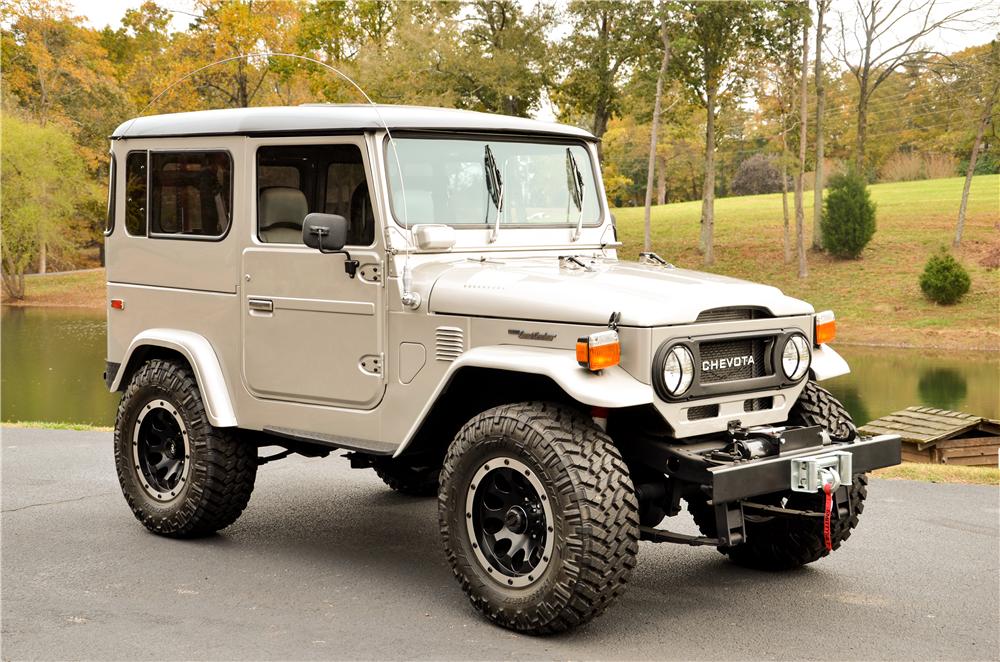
(328, 563)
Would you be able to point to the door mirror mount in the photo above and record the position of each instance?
(328, 234)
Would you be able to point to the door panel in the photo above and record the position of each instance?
(308, 345)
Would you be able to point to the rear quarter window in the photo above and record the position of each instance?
(135, 193)
(191, 194)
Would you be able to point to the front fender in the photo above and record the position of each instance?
(826, 364)
(612, 388)
(203, 360)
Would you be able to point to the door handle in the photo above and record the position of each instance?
(261, 305)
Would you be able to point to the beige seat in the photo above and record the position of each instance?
(280, 212)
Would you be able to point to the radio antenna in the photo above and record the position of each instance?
(409, 298)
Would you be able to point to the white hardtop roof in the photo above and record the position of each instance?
(334, 118)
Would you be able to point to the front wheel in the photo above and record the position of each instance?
(538, 516)
(181, 476)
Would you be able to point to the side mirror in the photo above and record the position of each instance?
(434, 237)
(326, 232)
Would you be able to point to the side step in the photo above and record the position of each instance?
(333, 441)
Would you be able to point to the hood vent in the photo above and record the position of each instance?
(732, 314)
(450, 343)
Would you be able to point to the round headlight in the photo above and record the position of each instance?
(795, 357)
(678, 370)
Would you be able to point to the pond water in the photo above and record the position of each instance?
(51, 362)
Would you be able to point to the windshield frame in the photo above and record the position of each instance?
(486, 136)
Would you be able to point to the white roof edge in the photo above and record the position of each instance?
(314, 118)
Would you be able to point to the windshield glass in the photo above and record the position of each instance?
(463, 182)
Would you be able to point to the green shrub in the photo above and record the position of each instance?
(848, 222)
(944, 280)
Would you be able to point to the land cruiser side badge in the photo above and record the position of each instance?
(532, 335)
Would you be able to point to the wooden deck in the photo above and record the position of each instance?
(941, 436)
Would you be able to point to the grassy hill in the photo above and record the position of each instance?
(877, 298)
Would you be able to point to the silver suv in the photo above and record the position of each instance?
(437, 293)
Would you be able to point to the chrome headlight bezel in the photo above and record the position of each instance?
(796, 357)
(679, 360)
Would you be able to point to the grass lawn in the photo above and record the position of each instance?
(78, 427)
(78, 288)
(877, 298)
(941, 473)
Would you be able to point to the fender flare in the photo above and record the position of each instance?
(612, 388)
(827, 364)
(204, 362)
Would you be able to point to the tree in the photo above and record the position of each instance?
(56, 71)
(713, 54)
(605, 40)
(44, 183)
(800, 221)
(757, 175)
(848, 215)
(776, 92)
(658, 101)
(224, 30)
(987, 71)
(882, 50)
(504, 57)
(822, 6)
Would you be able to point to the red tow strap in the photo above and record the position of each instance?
(827, 540)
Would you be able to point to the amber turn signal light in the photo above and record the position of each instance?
(826, 328)
(599, 350)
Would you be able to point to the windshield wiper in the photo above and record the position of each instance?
(494, 187)
(574, 182)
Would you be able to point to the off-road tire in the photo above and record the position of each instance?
(407, 478)
(783, 543)
(222, 471)
(817, 406)
(595, 515)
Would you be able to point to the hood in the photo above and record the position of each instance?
(547, 289)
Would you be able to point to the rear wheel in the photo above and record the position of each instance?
(785, 542)
(181, 476)
(538, 516)
(408, 477)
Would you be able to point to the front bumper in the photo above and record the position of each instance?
(773, 474)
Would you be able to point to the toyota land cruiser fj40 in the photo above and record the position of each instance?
(437, 293)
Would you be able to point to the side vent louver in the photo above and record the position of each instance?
(450, 343)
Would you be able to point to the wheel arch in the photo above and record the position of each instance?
(486, 377)
(192, 349)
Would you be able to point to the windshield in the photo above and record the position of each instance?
(469, 181)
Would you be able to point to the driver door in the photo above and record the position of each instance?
(311, 333)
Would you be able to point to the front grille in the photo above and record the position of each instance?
(731, 314)
(726, 360)
(703, 411)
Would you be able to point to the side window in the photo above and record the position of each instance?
(347, 195)
(293, 181)
(109, 222)
(135, 194)
(191, 193)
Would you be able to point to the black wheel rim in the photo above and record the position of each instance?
(161, 450)
(509, 522)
